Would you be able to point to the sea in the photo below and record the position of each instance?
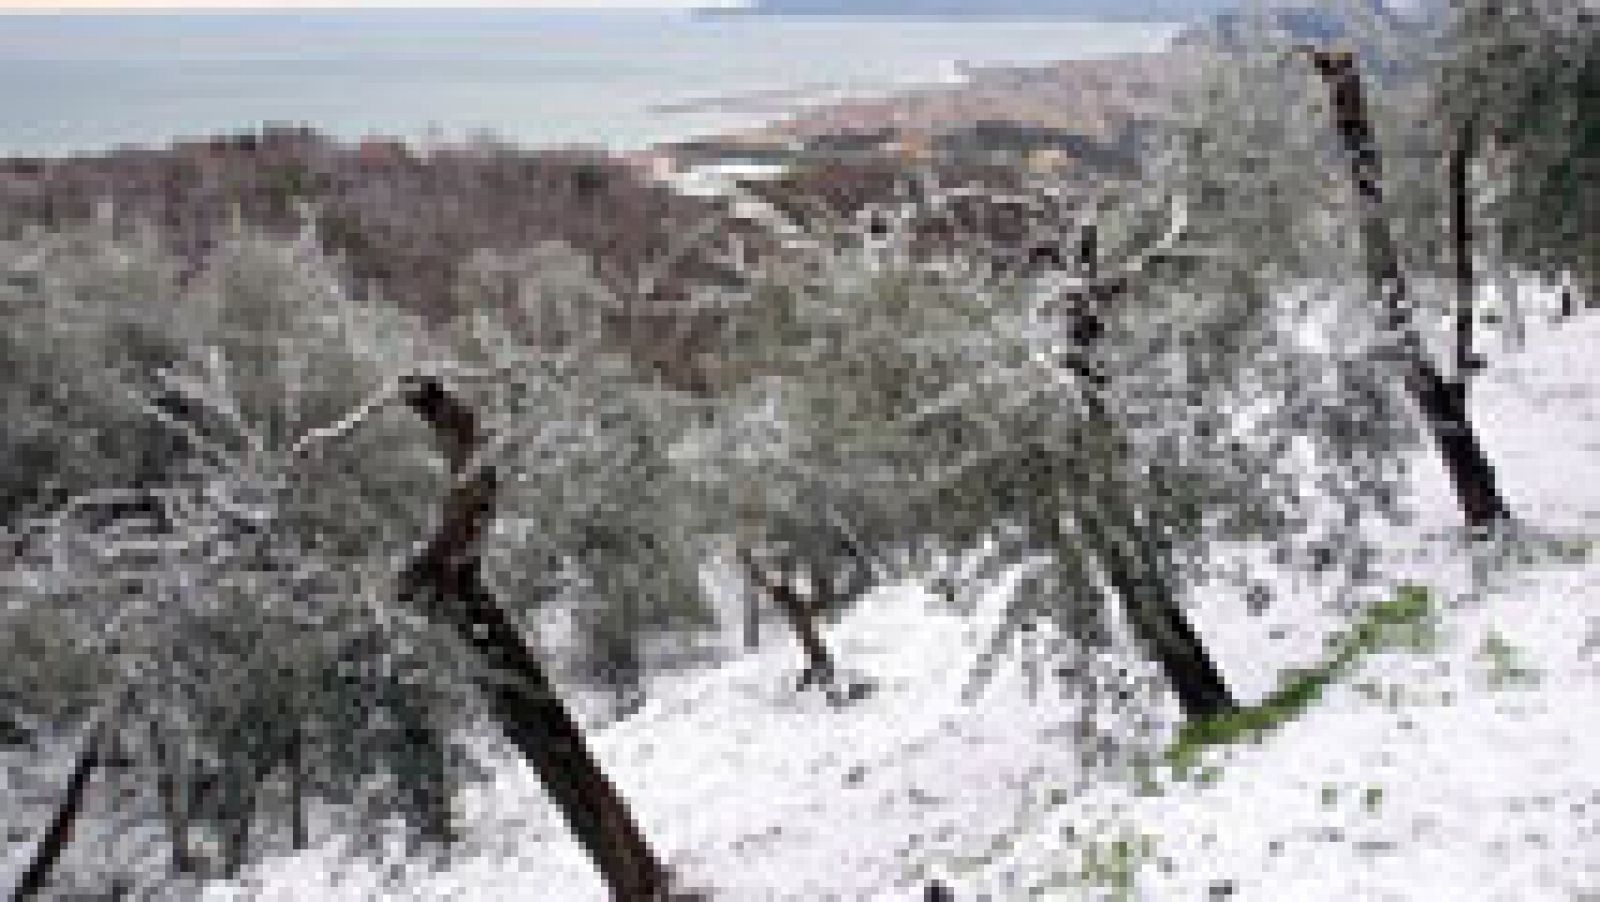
(86, 82)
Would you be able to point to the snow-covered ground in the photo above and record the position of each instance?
(1462, 771)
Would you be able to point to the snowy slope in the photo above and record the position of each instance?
(1464, 771)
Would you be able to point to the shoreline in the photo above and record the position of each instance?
(1097, 104)
(759, 115)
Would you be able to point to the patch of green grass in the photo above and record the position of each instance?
(1572, 549)
(1144, 772)
(1506, 669)
(1115, 865)
(1403, 621)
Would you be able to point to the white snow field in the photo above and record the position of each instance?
(1462, 771)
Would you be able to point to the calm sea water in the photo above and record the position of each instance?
(85, 82)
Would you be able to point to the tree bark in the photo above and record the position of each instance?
(426, 787)
(1443, 407)
(614, 659)
(241, 792)
(840, 573)
(299, 834)
(1153, 613)
(802, 619)
(58, 833)
(1127, 557)
(445, 578)
(174, 809)
(751, 598)
(1166, 632)
(1460, 176)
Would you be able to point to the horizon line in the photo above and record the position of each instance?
(441, 6)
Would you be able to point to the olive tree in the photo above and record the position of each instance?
(1523, 80)
(236, 595)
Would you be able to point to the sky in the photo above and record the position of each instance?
(37, 6)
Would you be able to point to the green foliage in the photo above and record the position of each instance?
(1114, 864)
(599, 512)
(1505, 663)
(1403, 621)
(87, 316)
(1527, 74)
(257, 612)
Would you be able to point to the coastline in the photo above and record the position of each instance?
(532, 80)
(1098, 101)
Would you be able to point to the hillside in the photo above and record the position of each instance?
(1455, 769)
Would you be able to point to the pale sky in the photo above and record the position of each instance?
(33, 6)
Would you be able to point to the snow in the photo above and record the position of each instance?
(1424, 774)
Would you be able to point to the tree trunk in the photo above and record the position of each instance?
(751, 597)
(174, 809)
(1443, 407)
(240, 796)
(1460, 176)
(802, 619)
(1154, 614)
(858, 578)
(11, 731)
(445, 579)
(426, 785)
(610, 633)
(58, 833)
(1128, 557)
(1166, 633)
(299, 834)
(839, 573)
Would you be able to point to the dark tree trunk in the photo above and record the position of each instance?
(1460, 176)
(1129, 558)
(752, 618)
(858, 577)
(299, 835)
(824, 579)
(58, 833)
(1155, 616)
(1164, 630)
(424, 758)
(173, 807)
(446, 580)
(614, 660)
(1444, 407)
(802, 619)
(840, 573)
(240, 801)
(1089, 251)
(12, 732)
